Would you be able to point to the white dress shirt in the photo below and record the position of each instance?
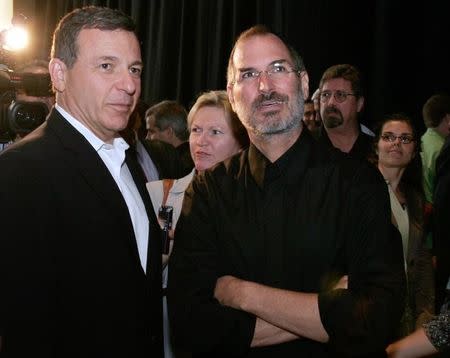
(113, 155)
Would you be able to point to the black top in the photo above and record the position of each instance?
(360, 150)
(295, 224)
(441, 222)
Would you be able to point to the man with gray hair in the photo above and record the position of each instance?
(167, 121)
(80, 256)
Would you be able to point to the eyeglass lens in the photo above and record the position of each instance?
(404, 138)
(339, 96)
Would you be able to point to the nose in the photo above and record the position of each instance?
(128, 83)
(331, 100)
(265, 82)
(202, 139)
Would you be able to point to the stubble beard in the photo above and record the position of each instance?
(271, 123)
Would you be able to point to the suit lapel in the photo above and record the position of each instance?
(154, 242)
(81, 156)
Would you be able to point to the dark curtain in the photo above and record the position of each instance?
(399, 46)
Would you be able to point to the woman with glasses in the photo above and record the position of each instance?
(216, 133)
(397, 158)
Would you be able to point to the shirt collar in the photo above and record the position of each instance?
(96, 142)
(264, 172)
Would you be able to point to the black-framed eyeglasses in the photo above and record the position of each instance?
(339, 96)
(276, 72)
(391, 137)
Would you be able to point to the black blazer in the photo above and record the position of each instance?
(166, 159)
(72, 282)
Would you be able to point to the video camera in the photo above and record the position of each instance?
(16, 116)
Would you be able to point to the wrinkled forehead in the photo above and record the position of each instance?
(337, 84)
(259, 51)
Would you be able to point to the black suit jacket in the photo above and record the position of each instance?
(72, 282)
(166, 159)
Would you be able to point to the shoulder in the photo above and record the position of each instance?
(232, 168)
(32, 147)
(352, 177)
(158, 147)
(223, 177)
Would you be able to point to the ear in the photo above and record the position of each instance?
(170, 132)
(230, 95)
(58, 70)
(360, 104)
(304, 78)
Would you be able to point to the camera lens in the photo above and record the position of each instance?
(23, 117)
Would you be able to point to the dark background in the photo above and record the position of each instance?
(401, 47)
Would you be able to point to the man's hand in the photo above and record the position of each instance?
(342, 283)
(165, 258)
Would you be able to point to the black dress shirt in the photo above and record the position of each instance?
(360, 150)
(297, 224)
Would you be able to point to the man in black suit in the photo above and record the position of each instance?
(80, 257)
(158, 159)
(166, 121)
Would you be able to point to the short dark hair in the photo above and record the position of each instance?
(65, 45)
(435, 109)
(347, 72)
(170, 114)
(262, 30)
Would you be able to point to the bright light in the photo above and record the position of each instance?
(16, 38)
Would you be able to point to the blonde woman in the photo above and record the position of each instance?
(215, 134)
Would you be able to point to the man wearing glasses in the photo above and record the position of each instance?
(265, 236)
(341, 101)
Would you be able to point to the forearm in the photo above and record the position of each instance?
(294, 312)
(267, 334)
(416, 344)
(291, 311)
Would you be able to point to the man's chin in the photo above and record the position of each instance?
(332, 122)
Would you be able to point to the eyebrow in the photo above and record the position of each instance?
(280, 61)
(116, 59)
(411, 134)
(137, 63)
(108, 58)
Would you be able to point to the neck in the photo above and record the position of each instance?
(274, 146)
(443, 128)
(392, 175)
(342, 137)
(177, 142)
